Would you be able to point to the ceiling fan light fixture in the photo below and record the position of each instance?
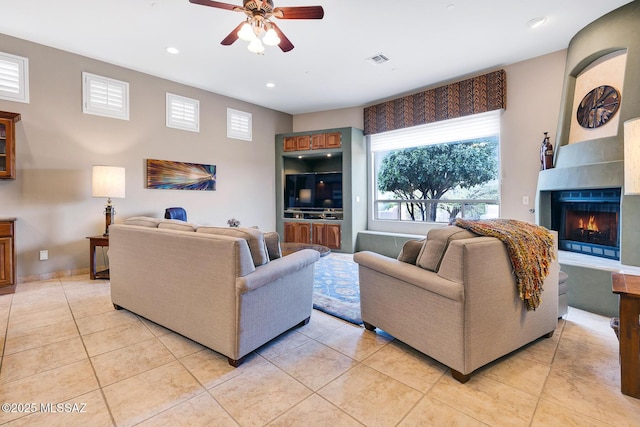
(256, 46)
(271, 38)
(246, 33)
(258, 25)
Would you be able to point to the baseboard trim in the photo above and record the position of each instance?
(53, 275)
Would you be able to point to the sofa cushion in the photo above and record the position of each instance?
(435, 246)
(272, 241)
(410, 251)
(253, 236)
(143, 221)
(176, 224)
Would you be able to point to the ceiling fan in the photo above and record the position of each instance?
(258, 29)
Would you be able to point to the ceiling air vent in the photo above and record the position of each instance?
(378, 59)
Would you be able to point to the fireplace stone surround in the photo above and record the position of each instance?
(597, 163)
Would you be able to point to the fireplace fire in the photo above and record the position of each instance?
(587, 221)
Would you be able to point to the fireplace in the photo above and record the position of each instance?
(587, 221)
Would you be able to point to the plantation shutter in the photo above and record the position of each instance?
(239, 124)
(107, 97)
(183, 113)
(14, 78)
(460, 129)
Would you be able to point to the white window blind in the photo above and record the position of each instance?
(14, 78)
(459, 129)
(239, 124)
(103, 96)
(183, 113)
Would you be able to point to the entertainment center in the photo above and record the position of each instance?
(321, 187)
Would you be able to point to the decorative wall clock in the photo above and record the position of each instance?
(598, 107)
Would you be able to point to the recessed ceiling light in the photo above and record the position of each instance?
(536, 22)
(173, 50)
(271, 84)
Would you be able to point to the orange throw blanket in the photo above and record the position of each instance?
(530, 249)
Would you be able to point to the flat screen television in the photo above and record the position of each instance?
(313, 191)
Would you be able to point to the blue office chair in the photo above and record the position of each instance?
(175, 213)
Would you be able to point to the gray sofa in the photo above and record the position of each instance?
(214, 285)
(454, 297)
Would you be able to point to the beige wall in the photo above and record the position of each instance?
(534, 89)
(57, 145)
(534, 92)
(345, 117)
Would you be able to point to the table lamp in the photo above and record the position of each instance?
(108, 181)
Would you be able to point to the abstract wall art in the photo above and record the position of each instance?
(168, 175)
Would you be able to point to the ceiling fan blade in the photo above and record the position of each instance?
(233, 36)
(218, 4)
(299, 12)
(285, 44)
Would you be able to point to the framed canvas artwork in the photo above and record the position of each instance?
(169, 175)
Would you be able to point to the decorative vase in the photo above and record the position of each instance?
(546, 153)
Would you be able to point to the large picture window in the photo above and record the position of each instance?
(437, 172)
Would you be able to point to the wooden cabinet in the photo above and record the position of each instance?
(319, 233)
(333, 140)
(7, 256)
(326, 235)
(290, 143)
(303, 142)
(297, 143)
(8, 144)
(316, 141)
(297, 232)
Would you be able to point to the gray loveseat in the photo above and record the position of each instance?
(454, 297)
(214, 285)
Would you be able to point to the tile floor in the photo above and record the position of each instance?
(62, 342)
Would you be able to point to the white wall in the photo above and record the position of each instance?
(534, 89)
(57, 145)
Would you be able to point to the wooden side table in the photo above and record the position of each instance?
(628, 287)
(94, 242)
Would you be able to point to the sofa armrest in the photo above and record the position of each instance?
(276, 269)
(411, 274)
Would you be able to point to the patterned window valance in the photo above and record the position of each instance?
(472, 96)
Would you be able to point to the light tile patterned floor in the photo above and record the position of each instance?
(63, 342)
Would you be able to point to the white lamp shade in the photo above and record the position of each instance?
(632, 157)
(246, 32)
(271, 38)
(256, 46)
(108, 181)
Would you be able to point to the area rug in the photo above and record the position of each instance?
(336, 290)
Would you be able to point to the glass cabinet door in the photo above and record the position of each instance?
(3, 147)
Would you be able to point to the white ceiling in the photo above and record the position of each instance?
(427, 42)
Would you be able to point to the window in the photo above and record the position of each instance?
(183, 113)
(103, 96)
(437, 172)
(238, 124)
(14, 78)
